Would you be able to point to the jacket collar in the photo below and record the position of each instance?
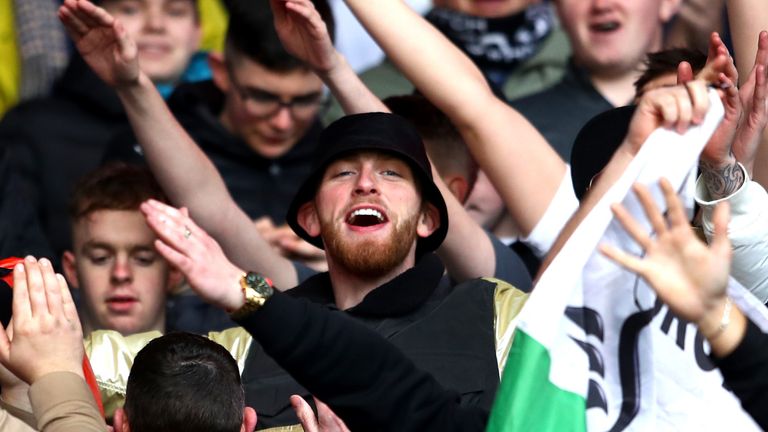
(403, 294)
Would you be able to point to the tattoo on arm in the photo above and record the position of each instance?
(722, 181)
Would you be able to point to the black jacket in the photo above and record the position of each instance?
(55, 140)
(366, 380)
(448, 331)
(745, 371)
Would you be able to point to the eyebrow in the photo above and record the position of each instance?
(91, 245)
(252, 88)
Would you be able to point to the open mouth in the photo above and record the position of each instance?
(605, 27)
(366, 217)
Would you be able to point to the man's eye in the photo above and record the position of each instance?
(391, 173)
(99, 259)
(344, 173)
(145, 260)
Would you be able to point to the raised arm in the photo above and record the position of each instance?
(328, 353)
(46, 350)
(184, 171)
(305, 35)
(522, 166)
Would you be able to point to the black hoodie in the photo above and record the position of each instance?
(259, 185)
(53, 141)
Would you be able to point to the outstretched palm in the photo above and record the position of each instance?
(688, 276)
(102, 42)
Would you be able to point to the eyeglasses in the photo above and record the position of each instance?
(263, 104)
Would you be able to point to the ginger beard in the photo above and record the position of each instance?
(371, 257)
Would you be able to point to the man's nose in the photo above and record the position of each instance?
(282, 119)
(121, 270)
(366, 183)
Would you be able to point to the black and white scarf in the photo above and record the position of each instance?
(496, 45)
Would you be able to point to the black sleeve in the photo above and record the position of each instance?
(746, 373)
(365, 379)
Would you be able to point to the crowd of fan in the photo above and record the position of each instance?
(246, 226)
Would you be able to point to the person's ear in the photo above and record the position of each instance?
(69, 264)
(249, 420)
(429, 221)
(458, 186)
(120, 421)
(219, 72)
(308, 219)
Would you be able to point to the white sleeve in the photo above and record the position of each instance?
(747, 230)
(559, 211)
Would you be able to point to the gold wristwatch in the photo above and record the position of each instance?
(257, 290)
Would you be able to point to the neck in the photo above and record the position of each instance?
(617, 89)
(349, 289)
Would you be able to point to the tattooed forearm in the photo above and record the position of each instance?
(721, 181)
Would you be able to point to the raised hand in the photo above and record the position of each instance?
(46, 335)
(326, 420)
(304, 34)
(689, 276)
(190, 249)
(676, 107)
(102, 41)
(753, 94)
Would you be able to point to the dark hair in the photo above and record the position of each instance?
(184, 382)
(666, 61)
(251, 33)
(114, 186)
(445, 146)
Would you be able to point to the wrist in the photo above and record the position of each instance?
(235, 298)
(330, 71)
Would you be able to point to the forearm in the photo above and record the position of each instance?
(745, 373)
(747, 231)
(467, 251)
(522, 166)
(62, 401)
(747, 18)
(186, 174)
(723, 178)
(341, 362)
(191, 180)
(353, 96)
(616, 166)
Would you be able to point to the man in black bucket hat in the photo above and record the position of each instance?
(371, 203)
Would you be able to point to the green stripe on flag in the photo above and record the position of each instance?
(527, 400)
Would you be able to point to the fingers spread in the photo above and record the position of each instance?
(629, 262)
(675, 209)
(650, 208)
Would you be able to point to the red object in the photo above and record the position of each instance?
(90, 377)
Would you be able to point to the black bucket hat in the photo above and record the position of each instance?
(382, 132)
(595, 145)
